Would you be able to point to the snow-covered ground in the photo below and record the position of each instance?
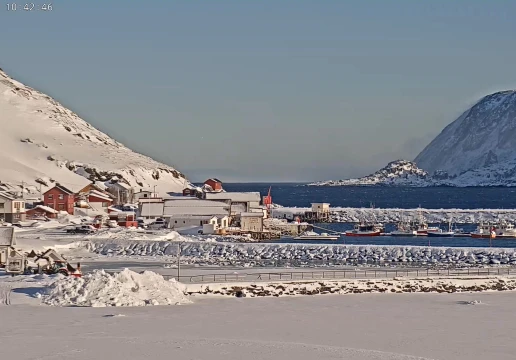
(460, 216)
(457, 326)
(43, 142)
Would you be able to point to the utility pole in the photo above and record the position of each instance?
(179, 245)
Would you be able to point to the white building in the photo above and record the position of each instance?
(12, 209)
(150, 208)
(239, 201)
(179, 221)
(145, 194)
(320, 207)
(251, 221)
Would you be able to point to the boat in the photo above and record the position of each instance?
(365, 229)
(502, 229)
(441, 233)
(422, 227)
(316, 236)
(404, 228)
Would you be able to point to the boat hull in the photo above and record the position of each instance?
(442, 234)
(403, 234)
(316, 238)
(363, 233)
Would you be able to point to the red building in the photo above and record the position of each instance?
(59, 198)
(214, 183)
(41, 211)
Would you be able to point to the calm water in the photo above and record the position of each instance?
(385, 197)
(391, 197)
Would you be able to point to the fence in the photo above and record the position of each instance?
(341, 275)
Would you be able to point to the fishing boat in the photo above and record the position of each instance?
(316, 236)
(502, 229)
(365, 229)
(404, 228)
(422, 227)
(441, 233)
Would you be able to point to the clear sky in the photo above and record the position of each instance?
(265, 90)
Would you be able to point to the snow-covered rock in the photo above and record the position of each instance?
(43, 142)
(126, 288)
(477, 149)
(399, 173)
(304, 254)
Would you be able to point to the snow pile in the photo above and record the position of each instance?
(126, 288)
(306, 254)
(43, 142)
(353, 215)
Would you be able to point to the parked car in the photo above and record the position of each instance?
(82, 229)
(141, 224)
(158, 224)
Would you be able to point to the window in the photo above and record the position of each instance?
(61, 206)
(105, 204)
(50, 205)
(17, 205)
(2, 205)
(61, 197)
(50, 197)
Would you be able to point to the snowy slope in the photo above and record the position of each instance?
(484, 136)
(42, 142)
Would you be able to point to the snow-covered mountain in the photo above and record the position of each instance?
(396, 173)
(484, 136)
(42, 142)
(477, 149)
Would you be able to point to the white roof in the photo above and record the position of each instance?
(251, 214)
(235, 196)
(7, 236)
(200, 217)
(119, 184)
(7, 196)
(45, 208)
(99, 195)
(200, 210)
(193, 202)
(320, 203)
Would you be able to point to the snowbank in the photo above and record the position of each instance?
(398, 285)
(461, 216)
(306, 254)
(126, 288)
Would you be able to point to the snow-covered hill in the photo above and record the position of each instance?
(396, 173)
(477, 149)
(42, 142)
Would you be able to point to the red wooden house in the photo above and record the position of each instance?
(59, 198)
(214, 183)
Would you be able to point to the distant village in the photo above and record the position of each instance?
(208, 208)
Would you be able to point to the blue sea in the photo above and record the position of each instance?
(300, 195)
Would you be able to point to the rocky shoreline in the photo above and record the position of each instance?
(393, 286)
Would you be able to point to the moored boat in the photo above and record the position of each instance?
(315, 236)
(364, 229)
(441, 233)
(502, 229)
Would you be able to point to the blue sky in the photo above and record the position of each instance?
(266, 90)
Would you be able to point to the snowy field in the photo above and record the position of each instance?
(361, 327)
(460, 216)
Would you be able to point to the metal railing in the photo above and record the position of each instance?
(341, 275)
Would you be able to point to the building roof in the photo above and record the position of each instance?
(62, 188)
(44, 208)
(119, 184)
(198, 211)
(215, 180)
(100, 195)
(235, 196)
(194, 202)
(7, 236)
(251, 214)
(7, 196)
(190, 216)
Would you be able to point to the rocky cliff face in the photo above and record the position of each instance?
(484, 136)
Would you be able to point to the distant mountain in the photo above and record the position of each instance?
(477, 149)
(396, 173)
(43, 142)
